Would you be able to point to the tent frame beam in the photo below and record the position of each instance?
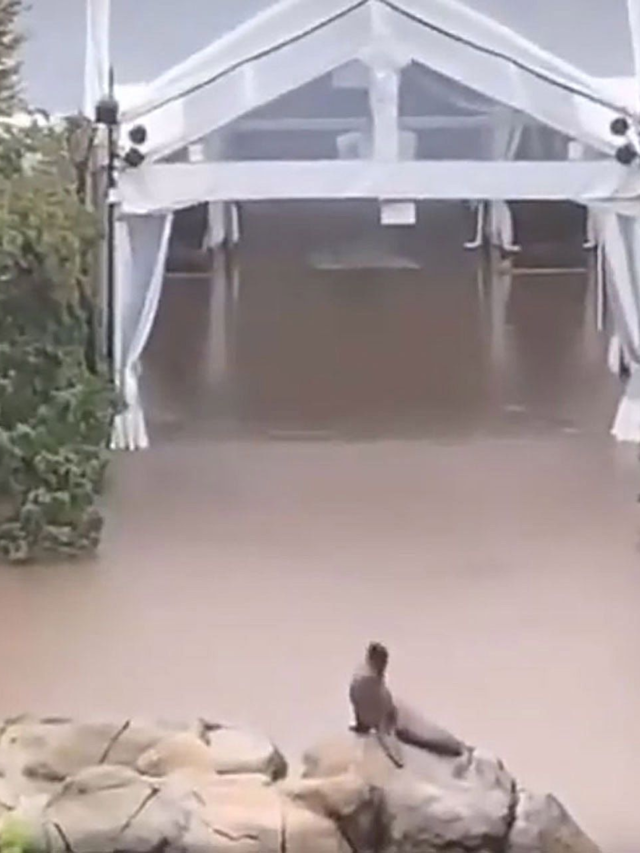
(157, 187)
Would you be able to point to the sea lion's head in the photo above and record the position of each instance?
(378, 658)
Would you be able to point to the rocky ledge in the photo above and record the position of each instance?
(134, 787)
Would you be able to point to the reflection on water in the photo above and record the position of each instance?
(319, 324)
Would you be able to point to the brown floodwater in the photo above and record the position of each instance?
(363, 433)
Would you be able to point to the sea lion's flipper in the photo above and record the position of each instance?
(392, 748)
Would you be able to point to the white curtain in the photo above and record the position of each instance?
(495, 218)
(507, 134)
(620, 237)
(142, 244)
(216, 227)
(622, 250)
(97, 54)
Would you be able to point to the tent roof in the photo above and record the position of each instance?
(592, 34)
(600, 44)
(292, 42)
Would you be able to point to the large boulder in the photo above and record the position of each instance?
(455, 812)
(110, 808)
(183, 751)
(107, 809)
(543, 825)
(162, 788)
(50, 751)
(237, 751)
(249, 814)
(434, 804)
(347, 800)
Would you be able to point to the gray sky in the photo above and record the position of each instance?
(151, 35)
(148, 37)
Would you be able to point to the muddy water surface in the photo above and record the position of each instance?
(413, 455)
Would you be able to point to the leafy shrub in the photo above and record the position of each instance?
(15, 837)
(56, 405)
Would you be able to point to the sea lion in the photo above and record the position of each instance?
(373, 705)
(375, 710)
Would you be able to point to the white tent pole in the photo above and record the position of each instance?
(633, 8)
(97, 54)
(384, 92)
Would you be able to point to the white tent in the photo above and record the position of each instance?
(392, 100)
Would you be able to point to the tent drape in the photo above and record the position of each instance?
(142, 244)
(620, 238)
(507, 135)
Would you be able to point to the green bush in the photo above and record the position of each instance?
(15, 837)
(10, 42)
(56, 405)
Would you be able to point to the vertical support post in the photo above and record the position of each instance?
(386, 137)
(633, 11)
(601, 288)
(235, 224)
(384, 99)
(111, 233)
(98, 88)
(481, 223)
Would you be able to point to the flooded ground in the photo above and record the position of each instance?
(417, 454)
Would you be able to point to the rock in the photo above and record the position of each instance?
(162, 788)
(135, 737)
(448, 805)
(52, 751)
(335, 757)
(346, 800)
(253, 817)
(336, 796)
(462, 815)
(8, 797)
(101, 778)
(178, 752)
(236, 751)
(113, 808)
(307, 831)
(246, 818)
(542, 825)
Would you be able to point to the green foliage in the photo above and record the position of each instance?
(56, 406)
(15, 837)
(10, 42)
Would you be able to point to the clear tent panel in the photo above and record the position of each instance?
(330, 118)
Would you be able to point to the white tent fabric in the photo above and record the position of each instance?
(633, 8)
(620, 235)
(507, 138)
(164, 187)
(299, 40)
(142, 243)
(294, 42)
